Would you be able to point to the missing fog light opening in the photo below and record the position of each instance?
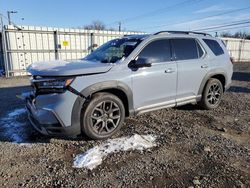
(94, 156)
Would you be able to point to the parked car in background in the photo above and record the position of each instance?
(126, 77)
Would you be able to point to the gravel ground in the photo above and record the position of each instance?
(195, 147)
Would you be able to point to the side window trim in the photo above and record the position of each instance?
(202, 48)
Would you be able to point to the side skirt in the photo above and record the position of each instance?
(168, 104)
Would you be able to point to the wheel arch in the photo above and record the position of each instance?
(219, 75)
(120, 89)
(120, 94)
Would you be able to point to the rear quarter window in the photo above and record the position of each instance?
(214, 46)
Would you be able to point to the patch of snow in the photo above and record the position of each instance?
(13, 129)
(43, 65)
(94, 156)
(16, 112)
(24, 95)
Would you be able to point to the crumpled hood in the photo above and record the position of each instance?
(67, 68)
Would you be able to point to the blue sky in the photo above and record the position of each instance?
(142, 15)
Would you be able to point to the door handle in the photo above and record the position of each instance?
(169, 70)
(204, 66)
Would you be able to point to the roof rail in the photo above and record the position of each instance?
(183, 32)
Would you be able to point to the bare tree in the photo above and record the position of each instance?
(239, 34)
(95, 25)
(226, 34)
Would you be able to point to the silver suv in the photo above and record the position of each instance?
(127, 76)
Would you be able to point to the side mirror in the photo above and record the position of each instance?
(139, 63)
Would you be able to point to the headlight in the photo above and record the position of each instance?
(51, 85)
(54, 83)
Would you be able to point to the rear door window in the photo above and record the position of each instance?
(214, 46)
(186, 49)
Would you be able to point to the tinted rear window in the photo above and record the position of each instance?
(157, 51)
(185, 49)
(214, 46)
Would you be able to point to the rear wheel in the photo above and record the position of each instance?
(212, 94)
(103, 116)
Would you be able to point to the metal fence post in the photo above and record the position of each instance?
(240, 49)
(56, 44)
(5, 55)
(92, 42)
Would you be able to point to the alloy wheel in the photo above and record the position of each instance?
(214, 94)
(105, 117)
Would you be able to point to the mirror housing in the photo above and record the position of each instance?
(140, 63)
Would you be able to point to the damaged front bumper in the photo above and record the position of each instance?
(46, 121)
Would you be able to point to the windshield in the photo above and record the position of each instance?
(113, 50)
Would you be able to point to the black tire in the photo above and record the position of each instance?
(212, 94)
(103, 116)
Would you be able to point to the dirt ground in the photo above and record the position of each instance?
(195, 147)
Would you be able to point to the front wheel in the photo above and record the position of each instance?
(103, 116)
(212, 94)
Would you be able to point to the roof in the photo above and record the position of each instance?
(143, 36)
(182, 32)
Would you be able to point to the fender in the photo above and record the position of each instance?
(208, 76)
(86, 93)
